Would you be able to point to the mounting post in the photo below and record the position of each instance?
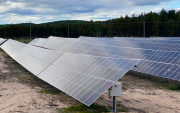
(68, 30)
(167, 80)
(30, 29)
(114, 104)
(114, 90)
(144, 33)
(104, 105)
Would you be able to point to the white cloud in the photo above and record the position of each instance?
(40, 11)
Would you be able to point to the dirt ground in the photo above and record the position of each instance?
(21, 92)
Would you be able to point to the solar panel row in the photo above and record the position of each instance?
(114, 50)
(166, 38)
(163, 61)
(32, 58)
(161, 52)
(137, 43)
(84, 77)
(83, 67)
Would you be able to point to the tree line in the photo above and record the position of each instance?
(164, 23)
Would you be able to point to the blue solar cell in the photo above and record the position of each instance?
(172, 75)
(177, 77)
(169, 60)
(174, 68)
(161, 73)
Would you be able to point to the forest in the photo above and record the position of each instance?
(163, 24)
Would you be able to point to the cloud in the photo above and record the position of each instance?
(47, 10)
(148, 2)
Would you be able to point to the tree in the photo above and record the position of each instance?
(171, 27)
(91, 34)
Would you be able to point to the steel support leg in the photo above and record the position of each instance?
(114, 104)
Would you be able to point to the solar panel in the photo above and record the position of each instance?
(167, 58)
(51, 43)
(84, 77)
(86, 67)
(166, 38)
(166, 52)
(12, 48)
(173, 72)
(151, 50)
(148, 49)
(54, 37)
(84, 37)
(2, 41)
(149, 41)
(33, 41)
(39, 42)
(32, 58)
(85, 81)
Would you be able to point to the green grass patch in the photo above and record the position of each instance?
(84, 109)
(52, 91)
(1, 49)
(166, 85)
(7, 56)
(159, 85)
(25, 40)
(173, 87)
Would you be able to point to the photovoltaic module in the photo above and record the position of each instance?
(84, 77)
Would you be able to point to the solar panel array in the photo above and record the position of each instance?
(162, 60)
(84, 77)
(158, 56)
(157, 52)
(86, 67)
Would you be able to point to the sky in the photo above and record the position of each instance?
(41, 11)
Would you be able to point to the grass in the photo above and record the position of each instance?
(156, 81)
(173, 87)
(25, 40)
(167, 85)
(93, 108)
(22, 39)
(52, 91)
(1, 49)
(84, 109)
